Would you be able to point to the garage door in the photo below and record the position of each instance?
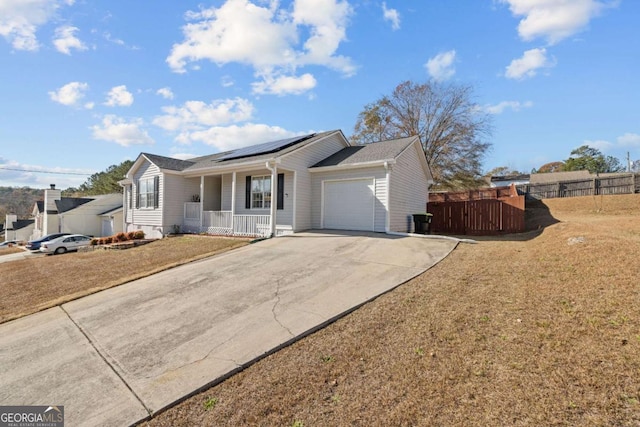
(348, 205)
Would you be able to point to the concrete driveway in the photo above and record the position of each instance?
(115, 357)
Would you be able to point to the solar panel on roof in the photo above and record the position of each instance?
(264, 148)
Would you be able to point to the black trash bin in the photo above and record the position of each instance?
(422, 223)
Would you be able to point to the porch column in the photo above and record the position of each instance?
(233, 201)
(274, 198)
(201, 200)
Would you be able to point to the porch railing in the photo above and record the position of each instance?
(251, 225)
(217, 222)
(224, 223)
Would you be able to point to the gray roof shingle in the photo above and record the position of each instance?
(168, 162)
(67, 203)
(374, 152)
(21, 223)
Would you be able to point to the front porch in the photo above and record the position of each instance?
(225, 223)
(252, 203)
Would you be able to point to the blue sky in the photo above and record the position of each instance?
(88, 84)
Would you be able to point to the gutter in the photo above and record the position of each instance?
(375, 163)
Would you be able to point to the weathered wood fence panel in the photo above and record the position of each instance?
(478, 217)
(620, 184)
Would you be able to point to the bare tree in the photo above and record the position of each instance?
(453, 129)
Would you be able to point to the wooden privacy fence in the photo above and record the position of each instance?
(619, 184)
(478, 212)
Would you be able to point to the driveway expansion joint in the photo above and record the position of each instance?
(99, 353)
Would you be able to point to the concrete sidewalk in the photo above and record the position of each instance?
(115, 357)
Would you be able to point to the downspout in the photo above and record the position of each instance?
(274, 195)
(387, 222)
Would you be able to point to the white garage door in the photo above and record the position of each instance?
(348, 205)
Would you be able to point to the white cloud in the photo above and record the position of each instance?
(119, 96)
(327, 22)
(16, 174)
(197, 115)
(122, 132)
(284, 85)
(65, 40)
(267, 38)
(527, 66)
(165, 92)
(599, 144)
(227, 81)
(441, 67)
(70, 94)
(500, 107)
(235, 136)
(392, 16)
(20, 19)
(554, 20)
(223, 124)
(629, 140)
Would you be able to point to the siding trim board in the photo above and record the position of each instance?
(349, 166)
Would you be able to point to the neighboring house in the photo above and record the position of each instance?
(17, 229)
(76, 215)
(507, 180)
(317, 181)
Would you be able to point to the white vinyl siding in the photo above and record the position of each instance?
(86, 219)
(176, 191)
(152, 217)
(212, 193)
(300, 160)
(226, 191)
(380, 181)
(409, 190)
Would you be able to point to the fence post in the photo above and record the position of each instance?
(594, 187)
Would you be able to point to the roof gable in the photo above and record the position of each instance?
(375, 152)
(168, 163)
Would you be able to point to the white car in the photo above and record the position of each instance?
(65, 244)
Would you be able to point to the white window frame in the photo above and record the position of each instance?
(265, 193)
(147, 197)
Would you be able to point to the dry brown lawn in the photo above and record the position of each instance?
(540, 329)
(10, 250)
(34, 284)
